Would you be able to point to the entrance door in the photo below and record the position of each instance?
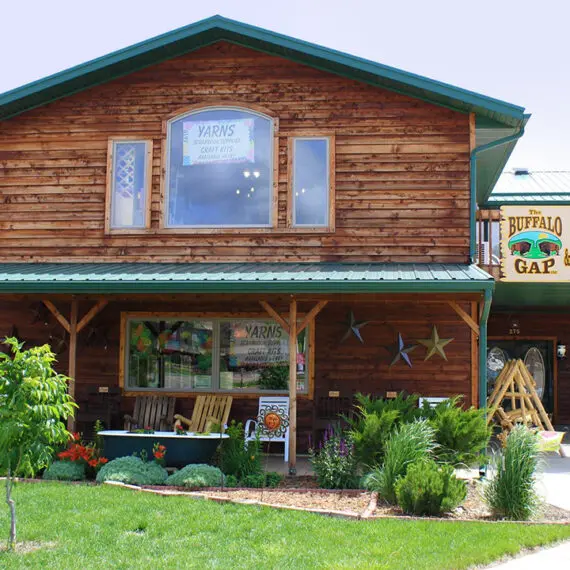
(538, 356)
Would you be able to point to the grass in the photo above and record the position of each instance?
(92, 527)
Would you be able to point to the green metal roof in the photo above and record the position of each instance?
(526, 187)
(217, 28)
(241, 277)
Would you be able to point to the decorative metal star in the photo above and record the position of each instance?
(354, 327)
(402, 352)
(434, 344)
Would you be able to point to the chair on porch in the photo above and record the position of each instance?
(209, 410)
(156, 412)
(272, 422)
(330, 411)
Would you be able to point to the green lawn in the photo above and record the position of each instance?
(105, 527)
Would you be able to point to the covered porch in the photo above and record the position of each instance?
(362, 327)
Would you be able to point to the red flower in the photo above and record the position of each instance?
(103, 460)
(92, 462)
(159, 454)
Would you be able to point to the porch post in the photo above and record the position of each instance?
(293, 386)
(485, 309)
(72, 357)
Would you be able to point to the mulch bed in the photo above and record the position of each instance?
(302, 493)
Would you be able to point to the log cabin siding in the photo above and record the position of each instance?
(402, 166)
(347, 367)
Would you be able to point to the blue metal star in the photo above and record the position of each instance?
(354, 327)
(402, 352)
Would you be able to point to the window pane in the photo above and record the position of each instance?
(310, 182)
(170, 354)
(129, 185)
(220, 169)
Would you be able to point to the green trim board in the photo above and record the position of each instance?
(519, 295)
(241, 278)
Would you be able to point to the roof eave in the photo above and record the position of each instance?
(205, 32)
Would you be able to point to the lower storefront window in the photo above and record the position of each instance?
(245, 355)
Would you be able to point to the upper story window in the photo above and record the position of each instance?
(129, 171)
(311, 195)
(219, 169)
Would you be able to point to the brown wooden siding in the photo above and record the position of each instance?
(347, 367)
(402, 166)
(538, 325)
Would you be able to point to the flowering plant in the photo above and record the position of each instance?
(334, 462)
(146, 429)
(158, 452)
(179, 429)
(78, 451)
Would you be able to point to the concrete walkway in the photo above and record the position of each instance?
(554, 558)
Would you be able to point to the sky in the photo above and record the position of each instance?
(514, 50)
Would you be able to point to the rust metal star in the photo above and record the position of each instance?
(354, 327)
(402, 352)
(434, 344)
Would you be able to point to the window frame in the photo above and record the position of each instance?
(110, 185)
(126, 317)
(274, 162)
(329, 227)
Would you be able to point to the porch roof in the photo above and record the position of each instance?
(241, 278)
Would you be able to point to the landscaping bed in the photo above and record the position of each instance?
(351, 502)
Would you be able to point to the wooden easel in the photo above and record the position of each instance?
(516, 384)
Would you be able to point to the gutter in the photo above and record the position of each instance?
(473, 194)
(483, 348)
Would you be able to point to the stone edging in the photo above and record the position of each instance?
(364, 515)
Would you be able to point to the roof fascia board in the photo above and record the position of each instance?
(247, 287)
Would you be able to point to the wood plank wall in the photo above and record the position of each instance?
(536, 325)
(348, 367)
(402, 166)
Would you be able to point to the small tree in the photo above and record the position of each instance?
(33, 404)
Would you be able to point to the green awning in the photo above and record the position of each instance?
(241, 278)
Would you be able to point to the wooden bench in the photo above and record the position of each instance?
(156, 412)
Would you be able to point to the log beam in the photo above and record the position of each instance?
(310, 316)
(72, 357)
(59, 317)
(91, 314)
(293, 386)
(275, 315)
(465, 316)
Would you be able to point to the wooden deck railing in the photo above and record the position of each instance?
(487, 231)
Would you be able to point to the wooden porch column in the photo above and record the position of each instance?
(74, 328)
(72, 357)
(293, 386)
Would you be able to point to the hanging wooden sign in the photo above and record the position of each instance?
(535, 243)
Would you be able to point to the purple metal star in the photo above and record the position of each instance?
(403, 351)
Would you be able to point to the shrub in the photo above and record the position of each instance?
(231, 481)
(272, 479)
(408, 444)
(65, 471)
(428, 489)
(274, 378)
(375, 420)
(511, 493)
(255, 481)
(132, 470)
(334, 463)
(237, 458)
(196, 475)
(461, 434)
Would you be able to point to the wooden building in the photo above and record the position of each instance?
(226, 209)
(523, 231)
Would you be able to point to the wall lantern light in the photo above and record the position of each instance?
(561, 351)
